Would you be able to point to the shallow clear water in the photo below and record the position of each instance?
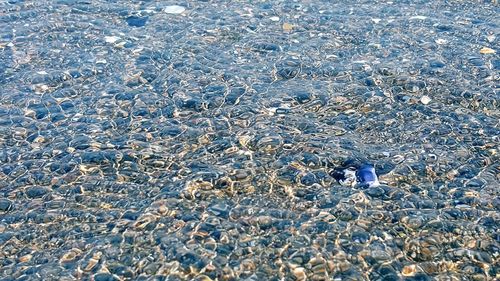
(144, 141)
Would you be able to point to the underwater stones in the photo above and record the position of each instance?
(217, 127)
(423, 249)
(136, 21)
(120, 270)
(80, 142)
(105, 277)
(36, 192)
(375, 191)
(269, 144)
(299, 273)
(71, 255)
(220, 209)
(301, 96)
(266, 47)
(234, 95)
(5, 205)
(309, 179)
(288, 69)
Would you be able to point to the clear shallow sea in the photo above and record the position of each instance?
(142, 141)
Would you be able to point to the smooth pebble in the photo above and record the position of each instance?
(174, 9)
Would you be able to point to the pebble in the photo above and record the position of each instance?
(274, 18)
(174, 9)
(136, 21)
(287, 27)
(418, 18)
(299, 273)
(36, 191)
(111, 39)
(5, 204)
(409, 270)
(425, 100)
(486, 50)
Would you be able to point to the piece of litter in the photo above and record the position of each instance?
(366, 175)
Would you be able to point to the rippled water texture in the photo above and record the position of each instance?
(145, 141)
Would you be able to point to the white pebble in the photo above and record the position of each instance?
(418, 18)
(111, 39)
(274, 18)
(441, 41)
(174, 9)
(425, 99)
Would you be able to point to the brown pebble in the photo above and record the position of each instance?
(299, 274)
(287, 27)
(409, 270)
(71, 255)
(25, 258)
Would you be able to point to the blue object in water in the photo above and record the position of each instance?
(367, 176)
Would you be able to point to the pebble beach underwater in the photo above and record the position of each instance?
(249, 140)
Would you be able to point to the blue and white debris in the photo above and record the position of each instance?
(366, 176)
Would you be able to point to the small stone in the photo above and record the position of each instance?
(264, 222)
(71, 255)
(274, 18)
(111, 39)
(486, 50)
(425, 100)
(287, 27)
(36, 192)
(5, 205)
(25, 258)
(441, 41)
(162, 209)
(104, 277)
(174, 9)
(418, 18)
(409, 270)
(299, 273)
(136, 21)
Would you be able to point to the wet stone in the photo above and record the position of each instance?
(36, 191)
(302, 97)
(220, 210)
(104, 277)
(309, 179)
(136, 21)
(266, 47)
(375, 191)
(5, 205)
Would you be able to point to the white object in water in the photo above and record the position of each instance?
(174, 9)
